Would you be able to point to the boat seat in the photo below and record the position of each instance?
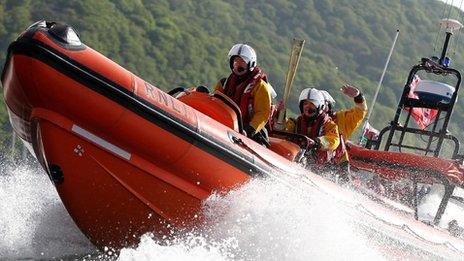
(217, 106)
(286, 149)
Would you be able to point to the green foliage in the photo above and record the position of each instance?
(175, 43)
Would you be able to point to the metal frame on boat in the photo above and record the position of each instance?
(448, 172)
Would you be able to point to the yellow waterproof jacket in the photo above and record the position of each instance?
(349, 120)
(329, 136)
(261, 109)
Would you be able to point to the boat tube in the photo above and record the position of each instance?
(120, 150)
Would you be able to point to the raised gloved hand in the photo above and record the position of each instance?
(275, 116)
(350, 91)
(276, 110)
(250, 131)
(280, 106)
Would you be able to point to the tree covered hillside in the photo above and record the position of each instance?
(175, 43)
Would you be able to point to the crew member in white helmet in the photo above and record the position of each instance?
(247, 86)
(347, 122)
(315, 123)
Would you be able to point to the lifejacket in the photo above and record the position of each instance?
(321, 156)
(241, 93)
(341, 153)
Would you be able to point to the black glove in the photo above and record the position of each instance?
(317, 145)
(359, 98)
(250, 131)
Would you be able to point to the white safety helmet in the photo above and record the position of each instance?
(330, 101)
(314, 96)
(327, 97)
(245, 51)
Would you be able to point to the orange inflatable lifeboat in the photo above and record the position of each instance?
(125, 157)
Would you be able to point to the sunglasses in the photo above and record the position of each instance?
(312, 110)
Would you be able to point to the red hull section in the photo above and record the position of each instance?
(396, 166)
(126, 157)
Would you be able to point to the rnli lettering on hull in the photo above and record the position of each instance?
(101, 142)
(155, 94)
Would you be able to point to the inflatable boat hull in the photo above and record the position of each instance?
(126, 158)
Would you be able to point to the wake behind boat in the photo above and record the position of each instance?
(127, 158)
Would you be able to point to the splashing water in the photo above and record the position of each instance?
(264, 220)
(188, 248)
(33, 222)
(272, 222)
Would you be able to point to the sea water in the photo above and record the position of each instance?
(33, 222)
(266, 219)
